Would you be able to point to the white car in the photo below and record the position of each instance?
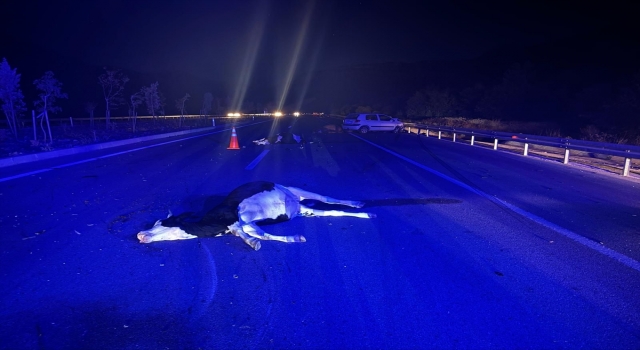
(365, 122)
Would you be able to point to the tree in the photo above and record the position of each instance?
(417, 105)
(90, 107)
(469, 98)
(112, 82)
(441, 103)
(151, 98)
(431, 102)
(513, 98)
(364, 109)
(206, 104)
(163, 103)
(219, 107)
(180, 105)
(624, 110)
(11, 96)
(51, 90)
(135, 100)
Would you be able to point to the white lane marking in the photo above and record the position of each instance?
(625, 260)
(102, 157)
(23, 175)
(257, 160)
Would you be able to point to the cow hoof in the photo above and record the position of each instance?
(358, 204)
(372, 215)
(301, 239)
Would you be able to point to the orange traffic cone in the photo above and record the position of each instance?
(233, 144)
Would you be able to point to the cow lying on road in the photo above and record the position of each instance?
(242, 209)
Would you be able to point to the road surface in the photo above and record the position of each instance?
(471, 248)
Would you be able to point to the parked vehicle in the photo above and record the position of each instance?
(365, 122)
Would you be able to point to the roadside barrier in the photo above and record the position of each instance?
(627, 152)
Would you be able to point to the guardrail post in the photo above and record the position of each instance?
(71, 120)
(409, 128)
(213, 121)
(526, 149)
(427, 133)
(473, 137)
(566, 156)
(454, 137)
(439, 134)
(627, 165)
(495, 144)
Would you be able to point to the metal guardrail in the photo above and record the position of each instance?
(173, 116)
(627, 152)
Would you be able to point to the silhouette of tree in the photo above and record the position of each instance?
(180, 105)
(51, 90)
(135, 100)
(112, 82)
(624, 110)
(512, 98)
(207, 101)
(431, 102)
(152, 99)
(90, 108)
(11, 96)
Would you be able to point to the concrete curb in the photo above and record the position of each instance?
(5, 162)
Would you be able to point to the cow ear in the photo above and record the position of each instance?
(170, 214)
(158, 223)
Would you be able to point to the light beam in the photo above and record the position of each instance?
(255, 38)
(296, 54)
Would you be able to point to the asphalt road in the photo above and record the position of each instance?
(471, 248)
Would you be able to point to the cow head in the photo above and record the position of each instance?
(162, 233)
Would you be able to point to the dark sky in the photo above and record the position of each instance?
(211, 37)
(223, 40)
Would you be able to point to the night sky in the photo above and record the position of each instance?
(220, 41)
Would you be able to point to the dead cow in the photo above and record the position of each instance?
(239, 213)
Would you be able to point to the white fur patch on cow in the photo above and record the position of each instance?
(265, 205)
(160, 233)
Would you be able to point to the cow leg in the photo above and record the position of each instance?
(306, 211)
(253, 242)
(254, 230)
(310, 195)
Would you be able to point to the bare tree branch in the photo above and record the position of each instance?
(180, 105)
(11, 96)
(112, 82)
(152, 99)
(51, 90)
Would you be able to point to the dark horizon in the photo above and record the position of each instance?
(262, 50)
